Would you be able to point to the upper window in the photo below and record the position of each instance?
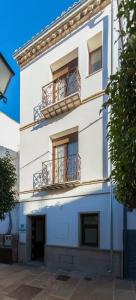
(89, 229)
(65, 158)
(95, 60)
(65, 81)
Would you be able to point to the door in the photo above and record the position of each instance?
(65, 80)
(60, 89)
(59, 162)
(37, 237)
(71, 83)
(72, 160)
(131, 254)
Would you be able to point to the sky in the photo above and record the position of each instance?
(19, 22)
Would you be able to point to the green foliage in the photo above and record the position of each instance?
(121, 91)
(7, 185)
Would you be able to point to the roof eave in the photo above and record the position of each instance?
(49, 28)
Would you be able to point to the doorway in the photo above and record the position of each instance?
(37, 237)
(130, 257)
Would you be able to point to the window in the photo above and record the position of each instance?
(65, 158)
(65, 80)
(95, 60)
(89, 229)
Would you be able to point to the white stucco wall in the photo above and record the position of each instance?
(15, 213)
(10, 141)
(39, 71)
(63, 219)
(35, 142)
(9, 133)
(4, 225)
(62, 208)
(131, 220)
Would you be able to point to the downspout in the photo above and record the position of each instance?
(124, 269)
(120, 25)
(111, 187)
(124, 242)
(10, 223)
(124, 208)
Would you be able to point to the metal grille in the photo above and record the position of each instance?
(38, 111)
(58, 90)
(61, 88)
(37, 180)
(60, 170)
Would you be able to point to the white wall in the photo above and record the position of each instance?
(39, 72)
(62, 208)
(63, 222)
(10, 140)
(35, 142)
(4, 225)
(14, 214)
(131, 220)
(9, 133)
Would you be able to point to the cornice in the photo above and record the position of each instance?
(82, 14)
(89, 182)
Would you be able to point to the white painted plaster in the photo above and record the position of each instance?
(62, 208)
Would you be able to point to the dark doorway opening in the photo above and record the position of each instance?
(37, 237)
(130, 255)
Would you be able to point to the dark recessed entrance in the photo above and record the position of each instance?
(37, 237)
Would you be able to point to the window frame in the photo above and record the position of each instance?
(82, 241)
(64, 140)
(90, 53)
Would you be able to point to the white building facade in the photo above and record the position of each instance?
(9, 142)
(66, 215)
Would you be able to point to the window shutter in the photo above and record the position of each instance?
(65, 69)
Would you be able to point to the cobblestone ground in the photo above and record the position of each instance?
(37, 282)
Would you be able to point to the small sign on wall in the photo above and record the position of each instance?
(22, 228)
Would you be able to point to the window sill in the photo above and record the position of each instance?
(93, 73)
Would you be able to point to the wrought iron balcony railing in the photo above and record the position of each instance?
(61, 88)
(60, 95)
(63, 171)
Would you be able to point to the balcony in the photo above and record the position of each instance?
(59, 96)
(60, 173)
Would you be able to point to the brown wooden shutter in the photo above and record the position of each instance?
(60, 142)
(65, 69)
(61, 72)
(73, 137)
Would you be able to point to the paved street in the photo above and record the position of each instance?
(36, 282)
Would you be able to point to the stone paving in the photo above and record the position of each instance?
(37, 282)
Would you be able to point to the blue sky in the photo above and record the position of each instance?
(19, 21)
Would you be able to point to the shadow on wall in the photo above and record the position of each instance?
(105, 75)
(49, 121)
(32, 161)
(104, 114)
(64, 216)
(37, 177)
(4, 225)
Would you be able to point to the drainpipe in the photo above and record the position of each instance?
(120, 25)
(111, 187)
(124, 242)
(124, 208)
(10, 223)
